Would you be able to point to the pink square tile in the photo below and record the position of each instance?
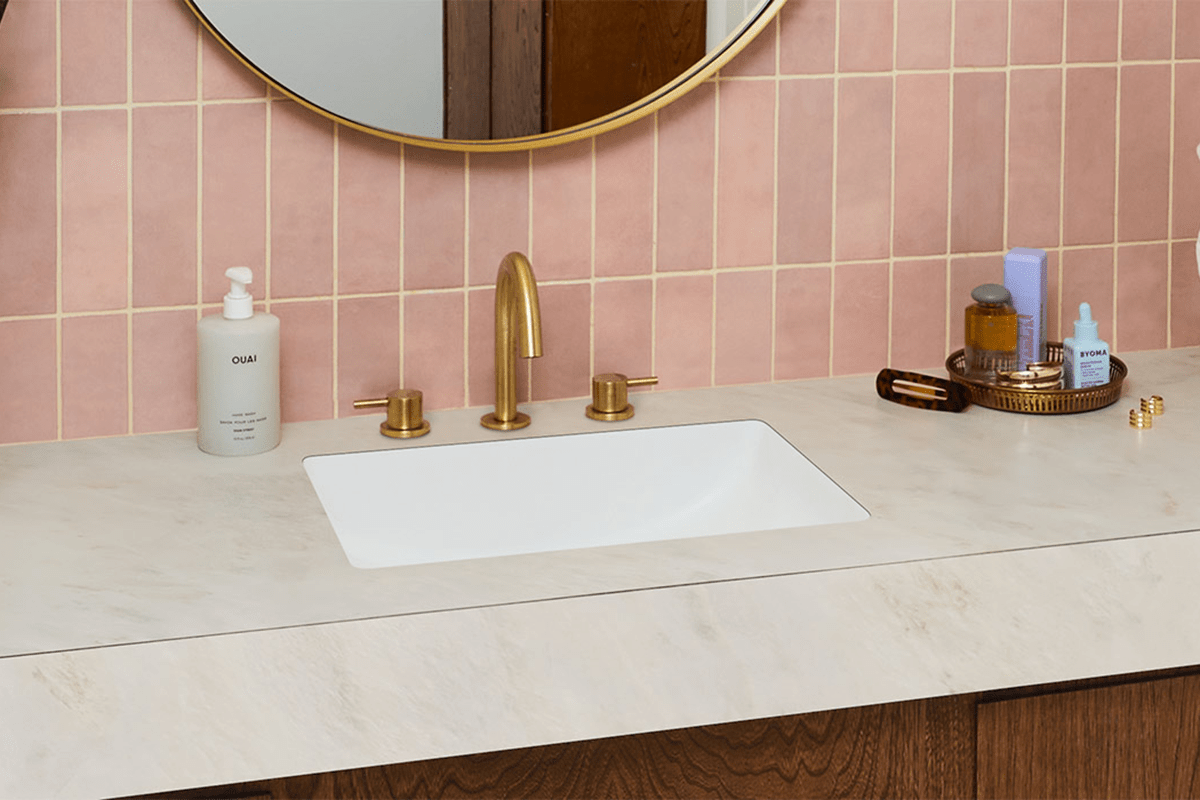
(686, 179)
(807, 37)
(1092, 30)
(93, 51)
(1037, 32)
(28, 55)
(434, 347)
(756, 58)
(743, 335)
(368, 350)
(305, 359)
(224, 76)
(967, 272)
(1145, 152)
(922, 164)
(1187, 29)
(1142, 297)
(860, 318)
(164, 371)
(28, 226)
(625, 200)
(919, 290)
(624, 327)
(977, 183)
(368, 213)
(95, 389)
(301, 166)
(234, 209)
(1089, 200)
(164, 205)
(805, 228)
(481, 351)
(1185, 296)
(165, 42)
(562, 212)
(1146, 29)
(803, 307)
(864, 168)
(865, 38)
(980, 33)
(746, 174)
(434, 219)
(95, 245)
(1087, 276)
(1185, 200)
(29, 375)
(1034, 157)
(564, 370)
(499, 211)
(923, 34)
(683, 334)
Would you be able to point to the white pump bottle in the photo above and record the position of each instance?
(237, 375)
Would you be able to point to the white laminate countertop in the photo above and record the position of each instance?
(172, 619)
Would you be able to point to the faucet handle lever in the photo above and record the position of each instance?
(404, 415)
(610, 396)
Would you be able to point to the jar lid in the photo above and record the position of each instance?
(992, 294)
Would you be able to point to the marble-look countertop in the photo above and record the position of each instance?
(172, 619)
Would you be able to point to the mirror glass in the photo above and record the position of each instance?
(477, 73)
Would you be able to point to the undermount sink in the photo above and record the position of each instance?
(441, 503)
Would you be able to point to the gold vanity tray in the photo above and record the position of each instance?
(1040, 401)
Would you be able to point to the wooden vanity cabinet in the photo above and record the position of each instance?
(1132, 736)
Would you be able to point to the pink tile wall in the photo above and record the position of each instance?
(822, 207)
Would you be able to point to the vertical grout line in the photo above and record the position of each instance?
(529, 254)
(466, 276)
(592, 268)
(267, 189)
(336, 144)
(950, 86)
(654, 248)
(833, 194)
(402, 156)
(716, 220)
(891, 243)
(129, 372)
(773, 343)
(1062, 168)
(58, 226)
(1116, 230)
(1171, 168)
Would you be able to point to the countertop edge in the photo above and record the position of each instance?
(140, 718)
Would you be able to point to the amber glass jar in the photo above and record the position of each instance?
(990, 333)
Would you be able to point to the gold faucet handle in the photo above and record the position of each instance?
(610, 396)
(404, 416)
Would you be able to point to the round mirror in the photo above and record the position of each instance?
(484, 74)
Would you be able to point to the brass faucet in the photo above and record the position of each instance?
(518, 320)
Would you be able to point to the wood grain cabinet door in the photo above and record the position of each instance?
(1132, 740)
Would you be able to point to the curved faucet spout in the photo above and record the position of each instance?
(518, 324)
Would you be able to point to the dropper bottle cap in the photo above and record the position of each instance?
(1085, 327)
(238, 303)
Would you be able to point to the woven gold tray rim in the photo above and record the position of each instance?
(1040, 401)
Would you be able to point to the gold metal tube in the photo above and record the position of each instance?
(518, 325)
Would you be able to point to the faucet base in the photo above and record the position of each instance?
(490, 420)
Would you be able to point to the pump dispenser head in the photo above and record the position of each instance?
(238, 303)
(1085, 327)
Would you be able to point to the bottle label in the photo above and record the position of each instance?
(243, 425)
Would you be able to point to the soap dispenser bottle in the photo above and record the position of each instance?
(237, 375)
(1085, 355)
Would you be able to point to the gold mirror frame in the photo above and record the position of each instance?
(672, 91)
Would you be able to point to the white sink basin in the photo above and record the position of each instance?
(430, 504)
